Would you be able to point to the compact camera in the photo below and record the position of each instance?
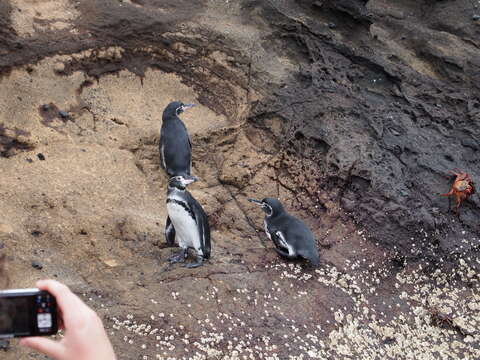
(27, 312)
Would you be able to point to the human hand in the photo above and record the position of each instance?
(85, 338)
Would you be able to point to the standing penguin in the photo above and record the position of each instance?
(175, 145)
(291, 237)
(187, 222)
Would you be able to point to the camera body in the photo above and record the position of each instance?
(27, 312)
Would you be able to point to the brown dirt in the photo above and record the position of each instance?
(350, 112)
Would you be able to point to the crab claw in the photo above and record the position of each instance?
(456, 171)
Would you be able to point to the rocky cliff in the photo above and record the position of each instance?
(351, 112)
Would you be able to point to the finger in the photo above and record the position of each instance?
(70, 305)
(45, 346)
(60, 323)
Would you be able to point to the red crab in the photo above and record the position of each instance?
(462, 187)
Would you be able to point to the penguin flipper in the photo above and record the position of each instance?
(281, 243)
(169, 232)
(161, 148)
(203, 228)
(190, 144)
(206, 238)
(274, 237)
(284, 254)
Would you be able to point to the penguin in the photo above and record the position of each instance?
(187, 222)
(175, 145)
(291, 237)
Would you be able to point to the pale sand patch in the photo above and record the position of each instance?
(30, 16)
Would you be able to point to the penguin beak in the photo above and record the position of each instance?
(189, 179)
(258, 202)
(187, 106)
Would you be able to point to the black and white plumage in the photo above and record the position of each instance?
(187, 222)
(291, 237)
(175, 145)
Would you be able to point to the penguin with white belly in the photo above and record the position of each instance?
(187, 222)
(291, 237)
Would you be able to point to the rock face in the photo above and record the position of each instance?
(389, 103)
(351, 112)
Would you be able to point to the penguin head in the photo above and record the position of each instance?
(181, 181)
(270, 206)
(175, 108)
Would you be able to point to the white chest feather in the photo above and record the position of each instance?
(185, 226)
(266, 229)
(163, 156)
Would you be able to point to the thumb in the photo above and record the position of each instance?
(45, 346)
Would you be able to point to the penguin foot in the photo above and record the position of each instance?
(195, 264)
(178, 257)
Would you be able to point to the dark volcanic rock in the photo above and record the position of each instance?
(63, 114)
(395, 117)
(37, 265)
